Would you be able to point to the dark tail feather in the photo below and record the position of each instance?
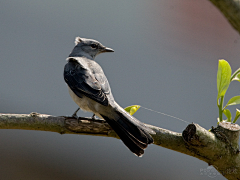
(135, 127)
(134, 134)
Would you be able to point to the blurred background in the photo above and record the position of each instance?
(166, 58)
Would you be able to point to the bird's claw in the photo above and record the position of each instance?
(94, 117)
(75, 115)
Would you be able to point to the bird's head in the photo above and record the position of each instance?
(88, 48)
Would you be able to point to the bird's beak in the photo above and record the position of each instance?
(106, 49)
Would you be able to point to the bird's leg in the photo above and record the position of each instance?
(75, 114)
(94, 116)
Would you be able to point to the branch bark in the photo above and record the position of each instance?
(218, 147)
(231, 10)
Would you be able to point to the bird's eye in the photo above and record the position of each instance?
(94, 46)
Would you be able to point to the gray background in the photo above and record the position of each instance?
(166, 57)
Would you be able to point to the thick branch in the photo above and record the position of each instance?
(231, 10)
(218, 147)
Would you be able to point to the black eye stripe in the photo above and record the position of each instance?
(93, 46)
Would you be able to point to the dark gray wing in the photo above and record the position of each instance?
(83, 81)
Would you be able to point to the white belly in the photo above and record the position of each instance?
(90, 105)
(83, 102)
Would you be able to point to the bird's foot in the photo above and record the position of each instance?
(75, 114)
(94, 117)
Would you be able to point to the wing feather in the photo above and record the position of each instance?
(83, 81)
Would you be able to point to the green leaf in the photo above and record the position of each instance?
(132, 109)
(237, 116)
(233, 101)
(236, 75)
(228, 114)
(223, 77)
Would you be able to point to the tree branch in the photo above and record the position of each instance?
(218, 147)
(231, 10)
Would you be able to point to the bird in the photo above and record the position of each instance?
(90, 90)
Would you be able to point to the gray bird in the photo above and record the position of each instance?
(90, 90)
